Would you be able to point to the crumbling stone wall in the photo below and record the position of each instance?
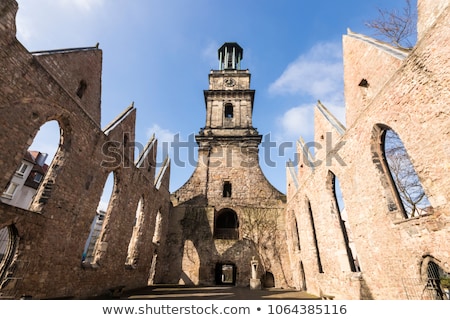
(410, 96)
(65, 86)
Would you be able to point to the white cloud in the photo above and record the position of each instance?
(47, 24)
(299, 121)
(317, 73)
(164, 138)
(314, 75)
(296, 122)
(163, 135)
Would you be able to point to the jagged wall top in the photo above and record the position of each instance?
(8, 11)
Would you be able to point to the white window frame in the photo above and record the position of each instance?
(10, 190)
(40, 175)
(22, 169)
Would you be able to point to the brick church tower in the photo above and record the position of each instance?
(227, 214)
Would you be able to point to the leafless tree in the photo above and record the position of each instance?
(412, 195)
(261, 225)
(396, 27)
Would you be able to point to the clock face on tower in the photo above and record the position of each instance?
(229, 82)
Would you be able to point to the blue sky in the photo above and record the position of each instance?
(158, 54)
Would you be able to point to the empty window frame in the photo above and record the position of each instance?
(313, 229)
(81, 89)
(133, 246)
(55, 148)
(38, 177)
(226, 189)
(226, 225)
(228, 111)
(297, 235)
(10, 190)
(96, 233)
(158, 228)
(22, 169)
(408, 195)
(339, 207)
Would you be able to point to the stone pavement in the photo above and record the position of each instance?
(179, 292)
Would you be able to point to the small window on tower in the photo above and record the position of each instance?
(227, 189)
(228, 111)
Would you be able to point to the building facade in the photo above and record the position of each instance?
(227, 213)
(378, 247)
(23, 186)
(227, 225)
(43, 246)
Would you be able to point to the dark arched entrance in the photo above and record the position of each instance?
(269, 280)
(226, 225)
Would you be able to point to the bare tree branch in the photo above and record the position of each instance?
(396, 27)
(412, 195)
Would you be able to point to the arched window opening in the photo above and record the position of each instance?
(133, 253)
(313, 229)
(226, 225)
(269, 280)
(303, 277)
(227, 189)
(152, 273)
(228, 111)
(437, 281)
(343, 223)
(26, 181)
(93, 241)
(81, 88)
(158, 227)
(402, 176)
(8, 245)
(297, 235)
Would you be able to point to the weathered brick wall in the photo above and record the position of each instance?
(86, 87)
(194, 251)
(357, 70)
(428, 11)
(413, 101)
(407, 92)
(52, 234)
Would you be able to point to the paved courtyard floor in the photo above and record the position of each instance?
(174, 292)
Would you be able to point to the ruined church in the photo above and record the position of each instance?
(343, 229)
